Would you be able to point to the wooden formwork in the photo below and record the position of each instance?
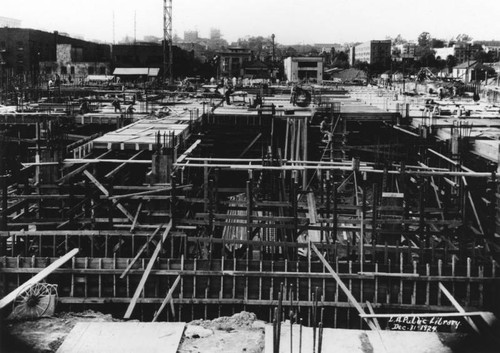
(211, 287)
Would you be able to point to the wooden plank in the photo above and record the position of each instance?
(145, 275)
(106, 192)
(188, 151)
(137, 213)
(167, 298)
(341, 284)
(83, 160)
(251, 144)
(121, 166)
(123, 337)
(446, 314)
(141, 250)
(148, 192)
(80, 169)
(370, 309)
(37, 278)
(457, 306)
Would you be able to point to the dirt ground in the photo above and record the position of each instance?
(241, 332)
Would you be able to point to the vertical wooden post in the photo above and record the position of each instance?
(421, 223)
(293, 196)
(210, 207)
(362, 229)
(334, 212)
(497, 200)
(304, 151)
(374, 217)
(249, 206)
(205, 184)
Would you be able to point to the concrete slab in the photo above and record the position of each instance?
(352, 341)
(123, 337)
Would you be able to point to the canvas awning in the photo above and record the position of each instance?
(99, 78)
(136, 71)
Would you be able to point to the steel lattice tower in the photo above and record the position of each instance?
(167, 40)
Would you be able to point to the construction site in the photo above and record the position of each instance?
(358, 213)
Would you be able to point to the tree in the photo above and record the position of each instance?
(428, 59)
(424, 40)
(361, 65)
(451, 61)
(484, 57)
(481, 71)
(341, 60)
(437, 43)
(464, 38)
(399, 40)
(396, 52)
(290, 51)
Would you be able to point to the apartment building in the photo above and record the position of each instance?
(372, 52)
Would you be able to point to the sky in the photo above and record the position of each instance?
(292, 21)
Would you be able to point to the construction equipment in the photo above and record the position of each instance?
(35, 301)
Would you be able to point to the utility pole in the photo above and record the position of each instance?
(167, 38)
(273, 73)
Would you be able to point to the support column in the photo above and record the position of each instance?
(304, 143)
(497, 198)
(249, 205)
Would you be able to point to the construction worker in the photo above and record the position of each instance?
(325, 128)
(84, 107)
(130, 109)
(116, 105)
(293, 94)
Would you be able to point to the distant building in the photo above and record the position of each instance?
(304, 69)
(191, 36)
(443, 53)
(352, 55)
(32, 55)
(9, 22)
(198, 49)
(490, 46)
(71, 65)
(465, 71)
(326, 47)
(232, 61)
(152, 39)
(256, 69)
(462, 51)
(407, 51)
(215, 34)
(373, 52)
(137, 55)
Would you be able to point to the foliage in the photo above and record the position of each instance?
(424, 40)
(484, 57)
(451, 61)
(361, 65)
(463, 38)
(399, 40)
(437, 43)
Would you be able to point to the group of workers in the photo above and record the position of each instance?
(85, 106)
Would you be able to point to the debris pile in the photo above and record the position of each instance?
(241, 332)
(46, 334)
